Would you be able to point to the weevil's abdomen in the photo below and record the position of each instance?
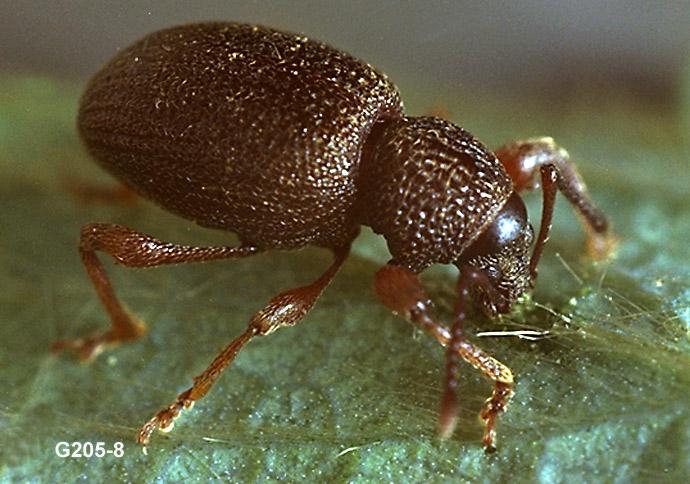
(239, 127)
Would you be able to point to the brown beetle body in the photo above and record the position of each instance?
(289, 142)
(262, 133)
(240, 128)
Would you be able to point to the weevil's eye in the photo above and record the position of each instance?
(509, 225)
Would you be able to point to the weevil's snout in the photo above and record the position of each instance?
(502, 252)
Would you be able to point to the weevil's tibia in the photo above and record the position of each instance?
(469, 280)
(536, 162)
(400, 290)
(165, 419)
(285, 309)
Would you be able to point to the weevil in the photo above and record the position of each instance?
(288, 142)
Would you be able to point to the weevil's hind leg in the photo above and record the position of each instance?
(540, 161)
(286, 309)
(400, 290)
(131, 249)
(90, 192)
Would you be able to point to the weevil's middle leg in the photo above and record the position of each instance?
(286, 309)
(400, 290)
(536, 162)
(88, 192)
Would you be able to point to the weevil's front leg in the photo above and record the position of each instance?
(132, 249)
(540, 161)
(285, 309)
(469, 280)
(400, 290)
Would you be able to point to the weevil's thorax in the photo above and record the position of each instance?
(429, 187)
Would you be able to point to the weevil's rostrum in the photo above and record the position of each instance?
(288, 142)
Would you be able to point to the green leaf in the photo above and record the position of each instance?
(351, 393)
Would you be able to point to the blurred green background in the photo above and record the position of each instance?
(351, 393)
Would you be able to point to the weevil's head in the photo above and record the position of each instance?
(502, 252)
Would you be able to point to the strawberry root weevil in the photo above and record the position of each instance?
(289, 142)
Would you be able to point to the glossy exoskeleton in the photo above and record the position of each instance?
(288, 142)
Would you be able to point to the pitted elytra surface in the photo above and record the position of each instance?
(239, 127)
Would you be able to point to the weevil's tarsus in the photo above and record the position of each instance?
(470, 281)
(600, 245)
(165, 419)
